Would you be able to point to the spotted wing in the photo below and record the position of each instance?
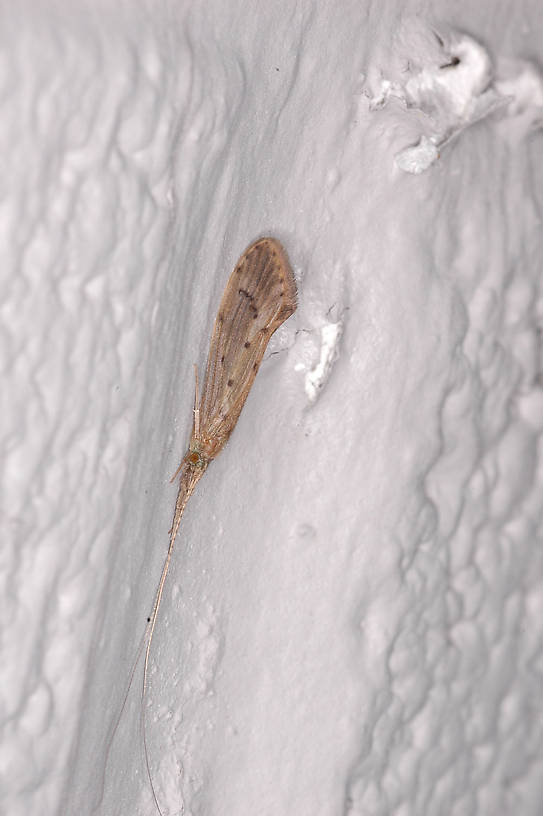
(259, 296)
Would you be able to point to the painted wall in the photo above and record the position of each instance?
(352, 621)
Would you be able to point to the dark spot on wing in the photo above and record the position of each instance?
(230, 382)
(246, 344)
(222, 359)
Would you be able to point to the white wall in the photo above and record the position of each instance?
(352, 621)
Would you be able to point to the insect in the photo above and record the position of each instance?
(259, 296)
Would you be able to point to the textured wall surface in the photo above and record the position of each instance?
(352, 621)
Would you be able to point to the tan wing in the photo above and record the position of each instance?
(259, 296)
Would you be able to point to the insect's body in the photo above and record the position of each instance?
(259, 296)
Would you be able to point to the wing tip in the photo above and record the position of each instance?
(277, 249)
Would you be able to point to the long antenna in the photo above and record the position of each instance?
(189, 479)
